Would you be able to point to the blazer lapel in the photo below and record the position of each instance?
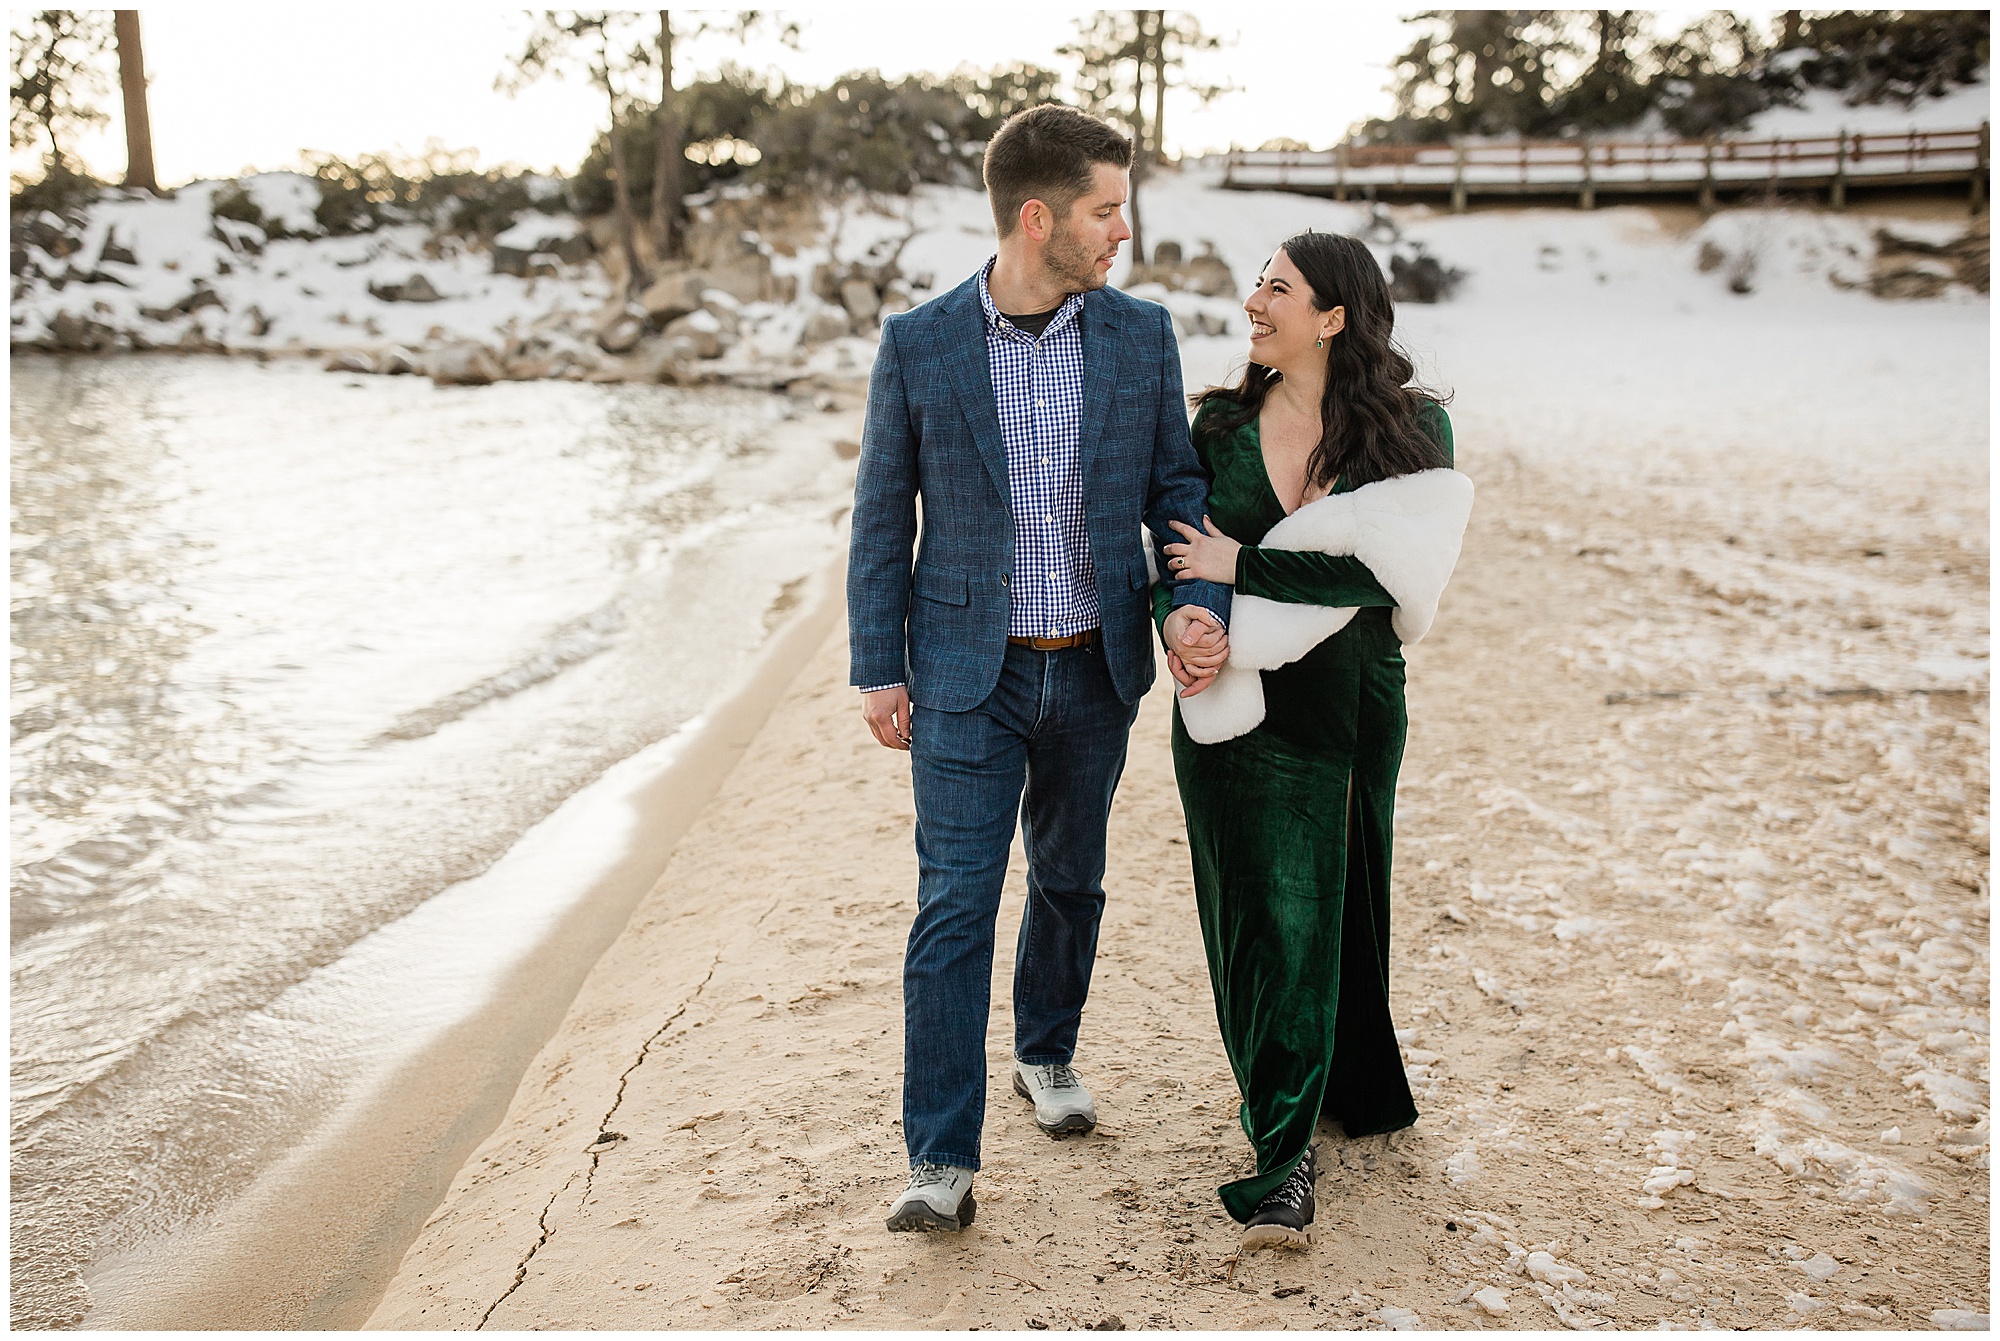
(963, 353)
(1100, 373)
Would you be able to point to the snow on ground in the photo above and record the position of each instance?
(1825, 112)
(293, 293)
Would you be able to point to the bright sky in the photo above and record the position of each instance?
(236, 86)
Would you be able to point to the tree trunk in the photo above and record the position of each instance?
(138, 124)
(668, 239)
(1159, 85)
(1138, 137)
(635, 275)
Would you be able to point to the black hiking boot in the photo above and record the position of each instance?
(1284, 1218)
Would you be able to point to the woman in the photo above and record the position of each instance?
(1289, 822)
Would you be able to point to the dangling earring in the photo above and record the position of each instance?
(1320, 343)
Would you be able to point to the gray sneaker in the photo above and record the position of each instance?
(939, 1197)
(1062, 1104)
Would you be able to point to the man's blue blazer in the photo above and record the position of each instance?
(933, 432)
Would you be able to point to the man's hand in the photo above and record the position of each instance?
(887, 712)
(1197, 645)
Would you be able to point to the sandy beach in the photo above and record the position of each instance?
(452, 886)
(1690, 967)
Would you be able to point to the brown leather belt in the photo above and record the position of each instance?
(1084, 639)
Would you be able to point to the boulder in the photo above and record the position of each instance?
(195, 340)
(572, 250)
(896, 297)
(1421, 278)
(539, 235)
(202, 296)
(826, 323)
(1908, 282)
(46, 230)
(78, 275)
(244, 238)
(862, 302)
(674, 295)
(1208, 275)
(1903, 263)
(351, 361)
(1199, 322)
(699, 332)
(1167, 256)
(669, 360)
(116, 251)
(621, 333)
(726, 311)
(745, 277)
(397, 361)
(826, 282)
(527, 367)
(416, 289)
(72, 331)
(463, 365)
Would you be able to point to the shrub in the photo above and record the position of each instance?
(441, 188)
(727, 107)
(58, 190)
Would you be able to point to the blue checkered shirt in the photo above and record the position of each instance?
(1038, 390)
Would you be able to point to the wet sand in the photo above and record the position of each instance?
(1690, 956)
(314, 1241)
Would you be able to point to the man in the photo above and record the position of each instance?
(1039, 416)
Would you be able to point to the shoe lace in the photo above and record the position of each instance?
(929, 1175)
(1061, 1077)
(1293, 1192)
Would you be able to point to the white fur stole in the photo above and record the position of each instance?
(1407, 530)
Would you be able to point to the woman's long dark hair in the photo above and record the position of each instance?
(1369, 416)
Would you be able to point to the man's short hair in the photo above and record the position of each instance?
(1047, 153)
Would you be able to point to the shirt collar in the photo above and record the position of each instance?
(1071, 306)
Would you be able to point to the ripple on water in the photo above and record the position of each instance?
(293, 658)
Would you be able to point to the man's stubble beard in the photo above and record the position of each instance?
(1071, 262)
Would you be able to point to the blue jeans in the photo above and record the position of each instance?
(1055, 729)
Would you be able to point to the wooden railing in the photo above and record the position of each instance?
(1587, 167)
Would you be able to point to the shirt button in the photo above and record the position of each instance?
(1050, 518)
(1052, 577)
(1040, 403)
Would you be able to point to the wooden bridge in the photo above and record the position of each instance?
(1588, 169)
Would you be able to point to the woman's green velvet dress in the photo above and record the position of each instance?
(1289, 828)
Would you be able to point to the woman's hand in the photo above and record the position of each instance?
(1208, 558)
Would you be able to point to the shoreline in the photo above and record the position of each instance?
(359, 1190)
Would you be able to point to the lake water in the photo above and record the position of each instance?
(294, 653)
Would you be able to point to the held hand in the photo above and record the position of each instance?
(1209, 557)
(887, 712)
(1196, 644)
(1197, 638)
(1204, 646)
(1191, 681)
